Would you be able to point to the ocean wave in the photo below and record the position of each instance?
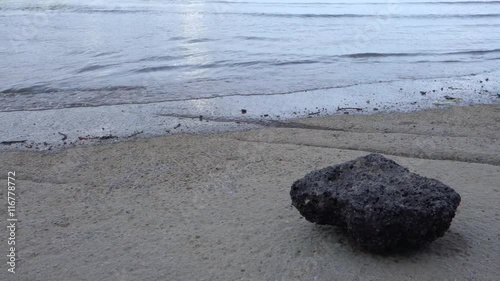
(200, 40)
(321, 60)
(296, 62)
(441, 61)
(158, 68)
(37, 89)
(94, 67)
(177, 38)
(394, 2)
(383, 16)
(257, 38)
(75, 9)
(159, 58)
(378, 55)
(217, 64)
(475, 52)
(30, 90)
(103, 54)
(166, 10)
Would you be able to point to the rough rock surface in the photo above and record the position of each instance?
(379, 203)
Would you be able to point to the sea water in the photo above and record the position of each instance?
(58, 54)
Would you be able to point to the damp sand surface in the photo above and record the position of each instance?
(217, 206)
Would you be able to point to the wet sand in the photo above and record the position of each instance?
(55, 128)
(217, 207)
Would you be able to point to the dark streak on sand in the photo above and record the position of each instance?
(13, 142)
(64, 136)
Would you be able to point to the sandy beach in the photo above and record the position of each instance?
(217, 206)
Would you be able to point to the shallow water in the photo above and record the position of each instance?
(58, 54)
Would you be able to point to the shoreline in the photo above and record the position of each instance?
(58, 129)
(54, 141)
(406, 88)
(217, 206)
(455, 133)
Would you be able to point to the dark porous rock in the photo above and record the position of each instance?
(379, 203)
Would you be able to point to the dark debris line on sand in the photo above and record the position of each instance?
(64, 136)
(13, 142)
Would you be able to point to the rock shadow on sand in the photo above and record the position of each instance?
(450, 245)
